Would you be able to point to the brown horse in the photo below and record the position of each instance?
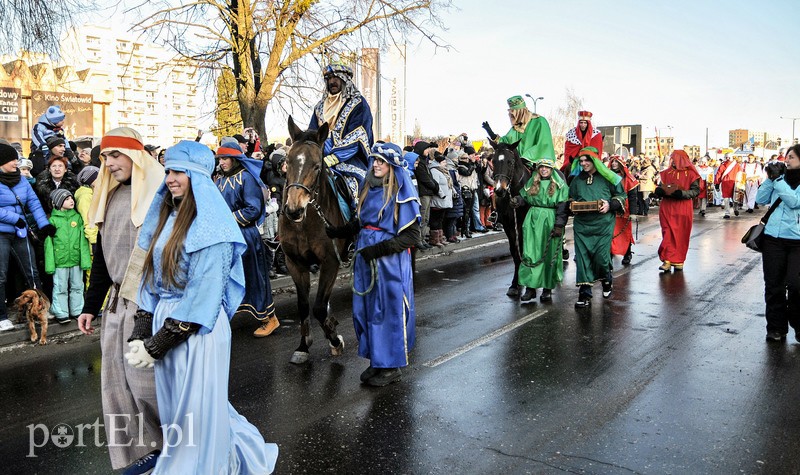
(310, 204)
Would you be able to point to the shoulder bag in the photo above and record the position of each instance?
(755, 235)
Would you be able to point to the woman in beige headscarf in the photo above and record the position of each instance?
(127, 182)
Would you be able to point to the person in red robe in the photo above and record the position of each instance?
(583, 135)
(725, 181)
(680, 184)
(622, 242)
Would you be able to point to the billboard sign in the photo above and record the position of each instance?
(10, 110)
(78, 109)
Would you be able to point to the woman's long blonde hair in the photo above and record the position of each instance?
(171, 274)
(390, 189)
(537, 181)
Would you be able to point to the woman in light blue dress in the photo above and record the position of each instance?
(193, 282)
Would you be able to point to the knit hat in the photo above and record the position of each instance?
(18, 147)
(25, 163)
(54, 114)
(240, 138)
(95, 154)
(7, 153)
(88, 175)
(59, 196)
(54, 141)
(421, 146)
(516, 102)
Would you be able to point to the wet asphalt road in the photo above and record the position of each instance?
(670, 375)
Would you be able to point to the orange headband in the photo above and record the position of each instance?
(116, 141)
(229, 151)
(589, 153)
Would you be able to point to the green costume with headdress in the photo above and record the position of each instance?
(542, 266)
(593, 231)
(531, 131)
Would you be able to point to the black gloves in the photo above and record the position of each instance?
(677, 194)
(489, 130)
(20, 223)
(373, 252)
(172, 334)
(775, 169)
(557, 231)
(659, 192)
(345, 231)
(47, 231)
(142, 326)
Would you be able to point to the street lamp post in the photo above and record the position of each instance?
(534, 101)
(793, 119)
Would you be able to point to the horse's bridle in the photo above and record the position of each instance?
(314, 192)
(512, 170)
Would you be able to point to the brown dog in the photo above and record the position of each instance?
(34, 305)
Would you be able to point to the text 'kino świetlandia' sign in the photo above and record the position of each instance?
(10, 125)
(78, 108)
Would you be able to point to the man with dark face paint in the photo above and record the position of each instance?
(350, 120)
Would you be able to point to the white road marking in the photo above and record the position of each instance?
(484, 339)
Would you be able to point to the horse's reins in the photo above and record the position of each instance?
(513, 210)
(313, 202)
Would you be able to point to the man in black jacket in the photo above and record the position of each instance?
(427, 187)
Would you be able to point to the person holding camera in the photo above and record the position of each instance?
(780, 248)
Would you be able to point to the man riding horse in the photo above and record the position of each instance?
(350, 120)
(529, 129)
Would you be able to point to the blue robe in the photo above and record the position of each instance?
(350, 138)
(203, 433)
(243, 195)
(385, 317)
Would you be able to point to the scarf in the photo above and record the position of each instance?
(374, 181)
(792, 177)
(10, 179)
(331, 107)
(520, 119)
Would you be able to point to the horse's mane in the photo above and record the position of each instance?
(306, 136)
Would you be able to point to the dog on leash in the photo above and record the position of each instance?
(33, 304)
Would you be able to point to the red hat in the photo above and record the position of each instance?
(584, 115)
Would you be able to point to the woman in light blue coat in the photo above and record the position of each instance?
(781, 246)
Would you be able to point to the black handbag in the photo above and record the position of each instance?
(755, 235)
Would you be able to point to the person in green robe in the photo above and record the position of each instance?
(531, 131)
(594, 230)
(542, 266)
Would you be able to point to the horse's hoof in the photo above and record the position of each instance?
(513, 292)
(339, 349)
(299, 357)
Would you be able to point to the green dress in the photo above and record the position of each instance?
(542, 266)
(593, 231)
(535, 143)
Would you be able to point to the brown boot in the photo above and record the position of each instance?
(267, 327)
(442, 239)
(436, 237)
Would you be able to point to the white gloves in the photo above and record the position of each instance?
(138, 357)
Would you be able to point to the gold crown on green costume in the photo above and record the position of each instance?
(516, 102)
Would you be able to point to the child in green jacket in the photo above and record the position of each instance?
(66, 255)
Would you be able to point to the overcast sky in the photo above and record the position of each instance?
(685, 64)
(680, 63)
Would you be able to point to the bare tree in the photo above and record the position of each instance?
(37, 25)
(565, 118)
(276, 48)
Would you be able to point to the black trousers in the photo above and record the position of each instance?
(781, 263)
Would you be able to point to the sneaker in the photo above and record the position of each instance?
(749, 210)
(529, 295)
(583, 302)
(727, 216)
(776, 336)
(384, 376)
(6, 325)
(267, 327)
(607, 287)
(144, 465)
(63, 321)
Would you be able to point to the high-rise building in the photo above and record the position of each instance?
(737, 137)
(658, 147)
(692, 150)
(150, 91)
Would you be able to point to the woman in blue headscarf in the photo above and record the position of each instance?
(241, 187)
(192, 284)
(388, 225)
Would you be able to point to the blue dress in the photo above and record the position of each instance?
(385, 317)
(203, 433)
(244, 197)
